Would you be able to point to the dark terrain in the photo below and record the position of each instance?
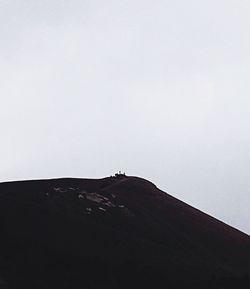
(113, 233)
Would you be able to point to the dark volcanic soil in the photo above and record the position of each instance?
(117, 232)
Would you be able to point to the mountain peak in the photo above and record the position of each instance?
(116, 232)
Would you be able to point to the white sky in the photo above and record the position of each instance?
(158, 89)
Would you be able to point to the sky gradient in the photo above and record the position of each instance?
(158, 89)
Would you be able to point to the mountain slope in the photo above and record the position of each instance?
(116, 232)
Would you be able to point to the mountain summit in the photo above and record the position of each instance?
(117, 232)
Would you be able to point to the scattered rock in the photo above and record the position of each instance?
(102, 209)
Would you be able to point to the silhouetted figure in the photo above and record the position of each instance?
(120, 175)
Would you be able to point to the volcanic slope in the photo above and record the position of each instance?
(115, 232)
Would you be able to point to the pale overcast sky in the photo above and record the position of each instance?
(158, 89)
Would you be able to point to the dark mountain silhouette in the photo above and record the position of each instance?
(117, 232)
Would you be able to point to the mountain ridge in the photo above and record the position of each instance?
(120, 230)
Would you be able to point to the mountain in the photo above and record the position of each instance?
(117, 232)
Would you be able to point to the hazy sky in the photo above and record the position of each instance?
(158, 89)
